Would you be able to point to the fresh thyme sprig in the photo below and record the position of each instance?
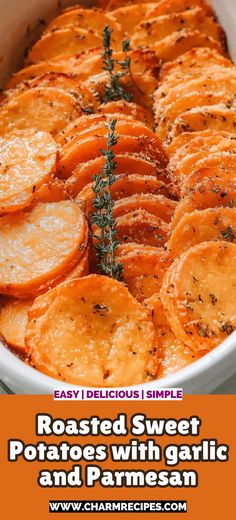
(103, 216)
(115, 90)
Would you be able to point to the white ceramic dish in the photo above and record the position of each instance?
(19, 23)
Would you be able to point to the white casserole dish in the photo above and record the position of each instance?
(19, 24)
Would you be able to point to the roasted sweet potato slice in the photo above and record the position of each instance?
(28, 160)
(60, 80)
(198, 295)
(89, 19)
(154, 305)
(138, 112)
(62, 64)
(214, 173)
(202, 226)
(143, 228)
(188, 102)
(68, 42)
(216, 117)
(125, 126)
(209, 193)
(13, 322)
(157, 205)
(143, 271)
(181, 41)
(174, 354)
(131, 164)
(199, 148)
(197, 59)
(154, 29)
(215, 79)
(44, 109)
(164, 7)
(225, 159)
(125, 186)
(90, 148)
(40, 246)
(94, 342)
(183, 139)
(130, 15)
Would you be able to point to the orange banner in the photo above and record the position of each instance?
(157, 430)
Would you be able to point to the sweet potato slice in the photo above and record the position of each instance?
(143, 228)
(44, 109)
(174, 354)
(89, 339)
(154, 305)
(125, 186)
(28, 160)
(164, 7)
(13, 322)
(216, 117)
(202, 226)
(143, 271)
(225, 159)
(60, 80)
(68, 42)
(157, 205)
(62, 64)
(183, 139)
(214, 173)
(154, 29)
(209, 193)
(90, 148)
(188, 102)
(215, 79)
(40, 246)
(197, 59)
(138, 112)
(181, 41)
(198, 148)
(131, 164)
(199, 297)
(130, 15)
(89, 19)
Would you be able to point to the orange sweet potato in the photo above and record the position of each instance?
(157, 205)
(198, 59)
(142, 227)
(138, 112)
(13, 322)
(39, 246)
(90, 340)
(174, 354)
(202, 226)
(197, 295)
(28, 161)
(178, 6)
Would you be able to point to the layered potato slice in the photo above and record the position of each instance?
(40, 246)
(125, 186)
(89, 19)
(198, 294)
(126, 164)
(202, 226)
(157, 205)
(89, 339)
(178, 6)
(189, 102)
(66, 82)
(213, 173)
(123, 107)
(142, 227)
(179, 42)
(13, 322)
(43, 109)
(89, 148)
(209, 193)
(131, 15)
(202, 144)
(226, 160)
(152, 30)
(28, 161)
(193, 61)
(214, 80)
(216, 117)
(144, 270)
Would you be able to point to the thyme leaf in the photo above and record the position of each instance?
(114, 89)
(103, 217)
